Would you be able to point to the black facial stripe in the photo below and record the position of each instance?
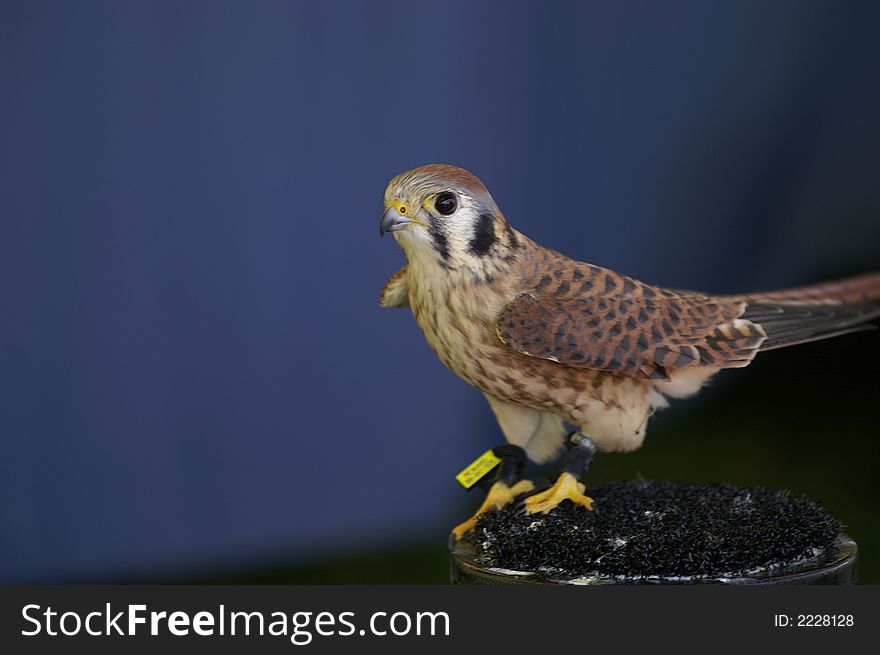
(511, 236)
(484, 235)
(441, 243)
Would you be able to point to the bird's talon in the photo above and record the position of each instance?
(499, 495)
(521, 487)
(566, 488)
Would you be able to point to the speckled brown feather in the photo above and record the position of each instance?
(587, 316)
(395, 293)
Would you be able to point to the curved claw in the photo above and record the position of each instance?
(499, 496)
(566, 487)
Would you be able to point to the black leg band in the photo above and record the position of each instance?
(580, 455)
(510, 451)
(513, 461)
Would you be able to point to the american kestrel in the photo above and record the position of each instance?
(550, 340)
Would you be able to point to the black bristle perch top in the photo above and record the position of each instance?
(658, 532)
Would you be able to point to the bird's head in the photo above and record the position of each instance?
(444, 214)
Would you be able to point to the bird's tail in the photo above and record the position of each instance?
(821, 311)
(857, 290)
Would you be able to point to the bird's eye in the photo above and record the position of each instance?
(445, 203)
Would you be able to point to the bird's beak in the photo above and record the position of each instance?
(392, 221)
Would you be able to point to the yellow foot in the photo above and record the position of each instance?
(499, 495)
(566, 487)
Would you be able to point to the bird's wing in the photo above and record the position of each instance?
(590, 317)
(395, 293)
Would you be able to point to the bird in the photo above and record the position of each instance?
(553, 342)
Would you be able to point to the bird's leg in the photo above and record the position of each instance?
(504, 489)
(567, 487)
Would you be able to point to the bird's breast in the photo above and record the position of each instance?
(458, 323)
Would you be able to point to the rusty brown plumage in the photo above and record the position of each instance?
(856, 290)
(586, 316)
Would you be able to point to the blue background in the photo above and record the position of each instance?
(194, 372)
